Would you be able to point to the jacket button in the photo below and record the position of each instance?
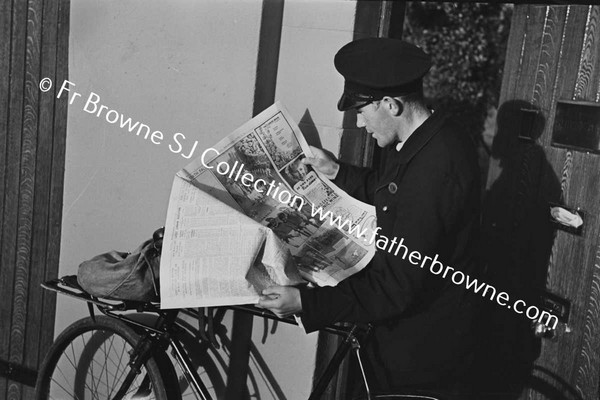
(384, 208)
(393, 188)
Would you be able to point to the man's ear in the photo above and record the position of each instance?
(393, 106)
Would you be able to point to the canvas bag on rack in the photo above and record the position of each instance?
(124, 276)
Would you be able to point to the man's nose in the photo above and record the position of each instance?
(360, 121)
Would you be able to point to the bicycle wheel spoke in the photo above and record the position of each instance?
(90, 361)
(72, 361)
(65, 390)
(64, 379)
(91, 389)
(94, 382)
(109, 374)
(104, 365)
(123, 351)
(124, 370)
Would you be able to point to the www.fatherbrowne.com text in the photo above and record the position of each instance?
(394, 246)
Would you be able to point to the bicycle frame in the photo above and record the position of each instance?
(162, 335)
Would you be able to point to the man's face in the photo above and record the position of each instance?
(377, 122)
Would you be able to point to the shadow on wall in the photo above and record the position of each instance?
(518, 238)
(207, 342)
(309, 129)
(311, 133)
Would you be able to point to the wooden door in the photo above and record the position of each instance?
(33, 46)
(552, 73)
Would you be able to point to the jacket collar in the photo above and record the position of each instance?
(419, 138)
(397, 160)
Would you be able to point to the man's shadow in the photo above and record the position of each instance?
(518, 237)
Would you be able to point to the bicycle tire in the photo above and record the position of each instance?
(74, 368)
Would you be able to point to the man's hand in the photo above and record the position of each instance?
(322, 163)
(281, 300)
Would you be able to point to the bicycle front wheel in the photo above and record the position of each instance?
(89, 360)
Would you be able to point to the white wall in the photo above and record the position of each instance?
(183, 66)
(177, 67)
(313, 31)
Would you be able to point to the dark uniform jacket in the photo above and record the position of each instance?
(428, 194)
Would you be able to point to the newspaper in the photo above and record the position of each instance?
(248, 214)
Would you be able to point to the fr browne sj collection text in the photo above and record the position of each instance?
(177, 143)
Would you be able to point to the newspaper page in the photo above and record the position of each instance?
(216, 255)
(250, 201)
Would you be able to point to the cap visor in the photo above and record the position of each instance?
(347, 102)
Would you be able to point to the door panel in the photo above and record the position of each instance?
(33, 45)
(553, 56)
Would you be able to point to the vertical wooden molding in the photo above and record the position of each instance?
(546, 77)
(268, 54)
(564, 186)
(34, 37)
(524, 42)
(26, 191)
(540, 86)
(264, 95)
(565, 176)
(57, 169)
(560, 52)
(546, 137)
(516, 40)
(586, 61)
(553, 251)
(598, 92)
(588, 373)
(8, 254)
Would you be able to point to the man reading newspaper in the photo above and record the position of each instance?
(427, 200)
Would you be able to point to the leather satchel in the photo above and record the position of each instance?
(124, 276)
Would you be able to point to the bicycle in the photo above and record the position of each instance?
(123, 355)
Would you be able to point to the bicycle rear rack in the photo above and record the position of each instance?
(68, 286)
